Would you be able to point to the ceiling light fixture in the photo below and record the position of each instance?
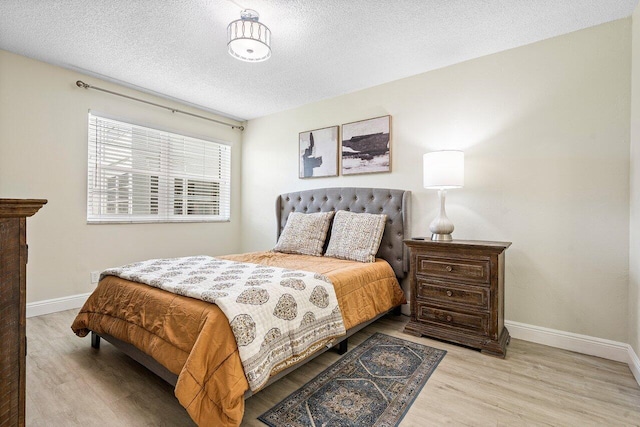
(248, 39)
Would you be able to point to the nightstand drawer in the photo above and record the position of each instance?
(472, 270)
(477, 323)
(450, 294)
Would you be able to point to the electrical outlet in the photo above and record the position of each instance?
(95, 276)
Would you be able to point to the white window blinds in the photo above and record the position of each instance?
(139, 174)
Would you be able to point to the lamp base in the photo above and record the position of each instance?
(441, 237)
(441, 226)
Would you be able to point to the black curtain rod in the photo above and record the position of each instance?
(84, 85)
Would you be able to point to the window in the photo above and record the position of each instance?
(139, 174)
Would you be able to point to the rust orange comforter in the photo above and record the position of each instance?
(193, 339)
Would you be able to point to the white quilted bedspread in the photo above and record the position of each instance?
(278, 316)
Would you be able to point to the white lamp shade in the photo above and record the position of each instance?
(443, 169)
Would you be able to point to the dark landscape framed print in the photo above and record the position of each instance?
(366, 146)
(318, 153)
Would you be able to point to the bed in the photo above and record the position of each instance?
(190, 343)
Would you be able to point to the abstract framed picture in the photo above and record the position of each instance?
(318, 152)
(366, 146)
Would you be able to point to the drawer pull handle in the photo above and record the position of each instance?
(448, 268)
(449, 318)
(449, 293)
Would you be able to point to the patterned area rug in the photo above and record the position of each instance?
(372, 385)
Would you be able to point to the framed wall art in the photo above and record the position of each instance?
(366, 146)
(318, 153)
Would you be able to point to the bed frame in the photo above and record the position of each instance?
(393, 203)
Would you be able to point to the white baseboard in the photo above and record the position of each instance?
(607, 349)
(40, 308)
(634, 364)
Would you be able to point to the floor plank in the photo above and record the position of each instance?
(71, 384)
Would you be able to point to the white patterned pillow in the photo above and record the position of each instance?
(304, 233)
(356, 236)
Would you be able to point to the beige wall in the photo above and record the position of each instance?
(634, 246)
(43, 154)
(545, 129)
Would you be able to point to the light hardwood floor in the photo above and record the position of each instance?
(71, 384)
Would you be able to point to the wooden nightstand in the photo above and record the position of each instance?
(457, 293)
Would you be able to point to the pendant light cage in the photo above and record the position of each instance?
(248, 39)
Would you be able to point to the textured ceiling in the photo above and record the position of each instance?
(321, 48)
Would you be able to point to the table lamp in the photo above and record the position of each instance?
(443, 170)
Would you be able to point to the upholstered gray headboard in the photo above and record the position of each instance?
(394, 203)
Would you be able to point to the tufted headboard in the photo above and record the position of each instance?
(394, 203)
